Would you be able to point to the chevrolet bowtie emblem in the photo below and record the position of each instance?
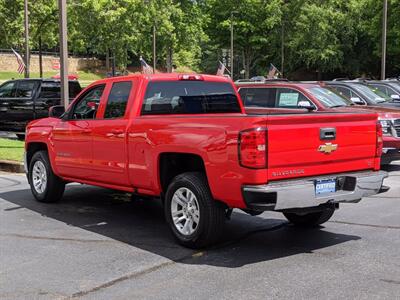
(327, 148)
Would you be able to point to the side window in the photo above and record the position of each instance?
(380, 88)
(25, 89)
(258, 97)
(50, 90)
(87, 105)
(117, 100)
(7, 90)
(344, 92)
(290, 98)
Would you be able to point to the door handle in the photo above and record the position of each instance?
(87, 130)
(327, 133)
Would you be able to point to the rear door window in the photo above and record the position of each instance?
(118, 99)
(25, 89)
(189, 97)
(258, 97)
(50, 90)
(7, 90)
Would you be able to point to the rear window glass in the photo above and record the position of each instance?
(189, 97)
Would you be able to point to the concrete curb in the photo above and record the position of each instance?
(11, 166)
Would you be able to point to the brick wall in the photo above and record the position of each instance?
(8, 63)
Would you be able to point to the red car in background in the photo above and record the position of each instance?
(259, 97)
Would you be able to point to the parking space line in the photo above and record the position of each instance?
(366, 225)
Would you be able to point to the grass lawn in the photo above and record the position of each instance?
(11, 150)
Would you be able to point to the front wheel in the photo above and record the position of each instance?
(45, 185)
(195, 218)
(311, 219)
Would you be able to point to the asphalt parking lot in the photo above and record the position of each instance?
(97, 244)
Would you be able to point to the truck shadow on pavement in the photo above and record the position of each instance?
(141, 224)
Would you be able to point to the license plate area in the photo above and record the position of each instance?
(325, 186)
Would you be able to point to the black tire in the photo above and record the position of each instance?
(54, 187)
(20, 136)
(311, 219)
(211, 213)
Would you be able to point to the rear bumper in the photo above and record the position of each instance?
(389, 155)
(300, 193)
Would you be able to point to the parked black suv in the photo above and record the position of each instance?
(24, 100)
(359, 93)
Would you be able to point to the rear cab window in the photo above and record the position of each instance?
(190, 97)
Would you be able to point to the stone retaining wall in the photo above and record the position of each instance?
(8, 63)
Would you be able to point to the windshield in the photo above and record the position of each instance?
(375, 97)
(328, 98)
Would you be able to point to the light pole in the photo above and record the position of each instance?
(62, 8)
(384, 32)
(26, 24)
(154, 49)
(232, 74)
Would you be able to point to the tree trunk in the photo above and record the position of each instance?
(108, 60)
(169, 60)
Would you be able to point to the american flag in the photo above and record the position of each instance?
(221, 69)
(146, 69)
(21, 64)
(273, 71)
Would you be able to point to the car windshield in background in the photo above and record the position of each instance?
(328, 98)
(189, 97)
(375, 97)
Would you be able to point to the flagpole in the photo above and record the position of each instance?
(26, 24)
(384, 32)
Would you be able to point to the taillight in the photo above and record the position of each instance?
(379, 139)
(253, 148)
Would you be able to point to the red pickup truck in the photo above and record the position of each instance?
(187, 140)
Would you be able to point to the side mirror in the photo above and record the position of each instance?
(306, 105)
(357, 100)
(56, 111)
(395, 97)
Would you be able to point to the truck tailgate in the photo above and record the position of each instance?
(303, 145)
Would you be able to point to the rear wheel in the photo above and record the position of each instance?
(310, 219)
(45, 185)
(194, 217)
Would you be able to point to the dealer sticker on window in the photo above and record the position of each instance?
(325, 186)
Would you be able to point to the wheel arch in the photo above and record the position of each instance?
(32, 148)
(171, 164)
